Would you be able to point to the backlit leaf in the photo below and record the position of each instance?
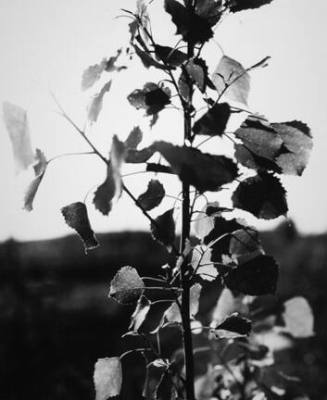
(231, 80)
(126, 286)
(96, 103)
(202, 264)
(298, 143)
(39, 170)
(244, 241)
(163, 229)
(227, 304)
(255, 277)
(204, 223)
(108, 378)
(140, 313)
(111, 188)
(240, 5)
(214, 121)
(262, 195)
(203, 171)
(172, 314)
(15, 119)
(76, 217)
(298, 317)
(153, 195)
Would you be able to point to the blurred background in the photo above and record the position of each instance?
(55, 317)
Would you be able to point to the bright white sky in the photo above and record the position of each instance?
(46, 45)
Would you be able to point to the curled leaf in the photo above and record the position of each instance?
(108, 378)
(140, 313)
(234, 324)
(163, 228)
(262, 195)
(76, 217)
(172, 314)
(126, 286)
(96, 104)
(39, 170)
(203, 171)
(134, 156)
(15, 119)
(153, 195)
(171, 57)
(134, 138)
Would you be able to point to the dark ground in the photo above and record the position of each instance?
(56, 319)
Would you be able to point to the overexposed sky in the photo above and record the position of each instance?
(46, 45)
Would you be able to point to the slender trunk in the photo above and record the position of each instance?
(185, 309)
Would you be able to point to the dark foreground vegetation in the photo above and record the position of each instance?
(56, 319)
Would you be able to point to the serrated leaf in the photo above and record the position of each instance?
(203, 171)
(202, 264)
(134, 138)
(152, 98)
(262, 195)
(192, 27)
(255, 277)
(39, 171)
(76, 217)
(153, 195)
(139, 156)
(173, 314)
(15, 119)
(298, 144)
(240, 5)
(171, 57)
(110, 190)
(140, 313)
(96, 103)
(108, 378)
(214, 121)
(231, 80)
(126, 286)
(163, 229)
(298, 317)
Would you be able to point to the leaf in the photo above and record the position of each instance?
(192, 27)
(146, 58)
(152, 98)
(93, 73)
(39, 171)
(214, 121)
(255, 277)
(134, 138)
(76, 217)
(204, 223)
(140, 313)
(211, 10)
(15, 119)
(234, 324)
(139, 156)
(163, 229)
(111, 188)
(108, 378)
(227, 304)
(184, 86)
(240, 5)
(171, 57)
(298, 317)
(202, 264)
(126, 286)
(298, 143)
(231, 80)
(153, 195)
(203, 171)
(262, 195)
(244, 241)
(172, 314)
(96, 104)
